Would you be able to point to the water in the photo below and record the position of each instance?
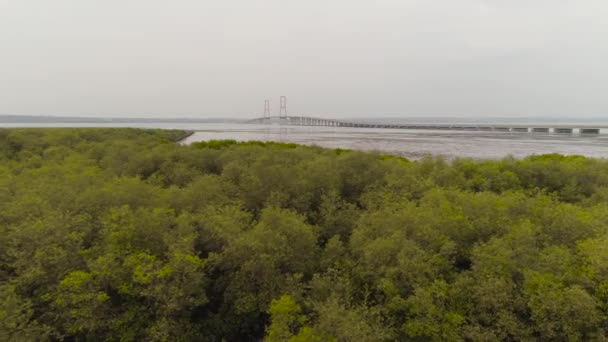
(416, 143)
(408, 143)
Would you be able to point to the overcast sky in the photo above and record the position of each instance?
(339, 58)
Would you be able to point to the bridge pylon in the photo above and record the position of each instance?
(283, 110)
(266, 109)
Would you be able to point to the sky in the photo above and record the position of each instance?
(332, 58)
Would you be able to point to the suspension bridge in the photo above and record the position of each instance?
(284, 119)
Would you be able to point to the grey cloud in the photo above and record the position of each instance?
(334, 57)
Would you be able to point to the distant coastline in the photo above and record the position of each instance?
(77, 119)
(51, 119)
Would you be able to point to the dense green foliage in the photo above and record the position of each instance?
(122, 234)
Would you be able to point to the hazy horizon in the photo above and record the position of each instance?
(335, 58)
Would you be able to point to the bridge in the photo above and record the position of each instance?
(514, 128)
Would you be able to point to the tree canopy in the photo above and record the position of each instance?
(127, 235)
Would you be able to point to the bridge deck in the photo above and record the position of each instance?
(517, 128)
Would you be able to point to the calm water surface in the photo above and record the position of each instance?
(416, 143)
(408, 143)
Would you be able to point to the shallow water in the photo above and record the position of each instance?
(408, 143)
(416, 143)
